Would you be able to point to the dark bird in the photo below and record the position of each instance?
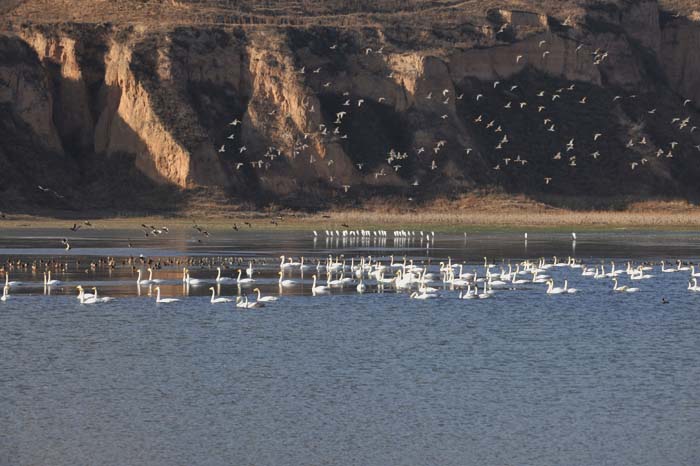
(345, 225)
(75, 227)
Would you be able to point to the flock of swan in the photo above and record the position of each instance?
(419, 279)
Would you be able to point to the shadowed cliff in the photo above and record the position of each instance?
(136, 105)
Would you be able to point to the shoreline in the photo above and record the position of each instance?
(677, 216)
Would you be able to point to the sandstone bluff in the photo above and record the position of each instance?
(139, 104)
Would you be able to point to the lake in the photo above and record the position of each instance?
(343, 378)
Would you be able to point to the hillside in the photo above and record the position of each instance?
(157, 104)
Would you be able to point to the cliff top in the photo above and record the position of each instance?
(343, 13)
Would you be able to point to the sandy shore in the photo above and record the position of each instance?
(465, 214)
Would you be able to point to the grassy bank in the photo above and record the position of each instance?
(466, 214)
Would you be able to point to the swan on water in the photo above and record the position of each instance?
(318, 289)
(244, 303)
(48, 281)
(220, 279)
(665, 270)
(97, 299)
(569, 290)
(150, 277)
(243, 280)
(140, 282)
(10, 284)
(623, 288)
(285, 283)
(219, 300)
(194, 281)
(5, 293)
(164, 300)
(552, 290)
(694, 286)
(264, 299)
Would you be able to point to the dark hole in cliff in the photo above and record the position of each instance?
(607, 176)
(373, 130)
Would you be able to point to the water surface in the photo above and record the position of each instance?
(522, 378)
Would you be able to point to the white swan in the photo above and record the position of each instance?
(318, 289)
(243, 302)
(416, 295)
(140, 282)
(215, 300)
(303, 266)
(361, 286)
(486, 293)
(194, 281)
(83, 293)
(552, 290)
(10, 284)
(283, 264)
(695, 286)
(468, 294)
(5, 293)
(97, 299)
(164, 300)
(87, 298)
(249, 270)
(569, 290)
(243, 280)
(665, 270)
(285, 283)
(220, 279)
(83, 299)
(264, 299)
(150, 277)
(49, 282)
(623, 288)
(693, 273)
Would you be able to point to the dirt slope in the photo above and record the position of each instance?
(130, 104)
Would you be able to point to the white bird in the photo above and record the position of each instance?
(552, 290)
(623, 288)
(215, 300)
(5, 293)
(48, 281)
(243, 280)
(318, 289)
(221, 279)
(264, 299)
(285, 283)
(164, 300)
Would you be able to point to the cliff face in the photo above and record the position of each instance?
(301, 114)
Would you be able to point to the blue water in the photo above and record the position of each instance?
(596, 378)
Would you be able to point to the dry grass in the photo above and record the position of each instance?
(164, 13)
(469, 213)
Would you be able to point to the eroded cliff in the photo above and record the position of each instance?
(594, 100)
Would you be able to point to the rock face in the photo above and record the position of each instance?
(291, 113)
